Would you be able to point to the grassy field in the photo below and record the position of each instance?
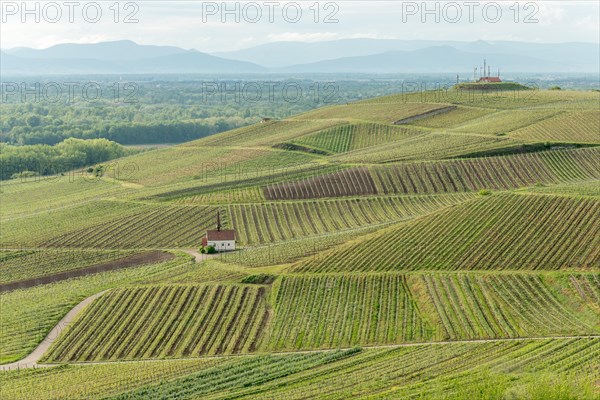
(434, 245)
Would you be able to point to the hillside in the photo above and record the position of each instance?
(424, 245)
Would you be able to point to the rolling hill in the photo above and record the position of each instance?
(427, 245)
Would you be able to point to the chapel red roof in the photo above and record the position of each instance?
(228, 234)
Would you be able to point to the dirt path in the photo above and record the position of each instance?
(282, 353)
(201, 257)
(427, 114)
(31, 361)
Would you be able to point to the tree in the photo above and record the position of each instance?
(34, 121)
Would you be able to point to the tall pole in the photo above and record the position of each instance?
(484, 67)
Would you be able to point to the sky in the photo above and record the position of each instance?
(218, 26)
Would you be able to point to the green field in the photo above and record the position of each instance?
(435, 245)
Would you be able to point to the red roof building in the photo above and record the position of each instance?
(228, 234)
(220, 239)
(490, 79)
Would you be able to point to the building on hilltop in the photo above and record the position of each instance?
(220, 239)
(490, 79)
(485, 75)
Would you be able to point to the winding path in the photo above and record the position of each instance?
(31, 361)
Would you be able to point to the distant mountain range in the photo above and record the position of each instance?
(120, 57)
(340, 56)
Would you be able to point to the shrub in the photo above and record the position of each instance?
(484, 192)
(210, 249)
(259, 279)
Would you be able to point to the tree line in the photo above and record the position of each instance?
(43, 159)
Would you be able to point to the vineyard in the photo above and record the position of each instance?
(499, 232)
(343, 138)
(572, 127)
(167, 226)
(342, 311)
(503, 122)
(429, 146)
(428, 245)
(158, 226)
(267, 133)
(380, 113)
(24, 264)
(29, 314)
(503, 172)
(166, 321)
(457, 116)
(460, 369)
(331, 311)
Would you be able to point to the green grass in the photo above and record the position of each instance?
(29, 197)
(266, 134)
(586, 188)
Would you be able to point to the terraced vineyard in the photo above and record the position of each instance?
(166, 321)
(500, 232)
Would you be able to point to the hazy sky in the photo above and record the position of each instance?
(205, 26)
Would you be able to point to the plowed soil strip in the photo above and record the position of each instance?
(149, 257)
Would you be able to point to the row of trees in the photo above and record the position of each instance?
(132, 133)
(42, 159)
